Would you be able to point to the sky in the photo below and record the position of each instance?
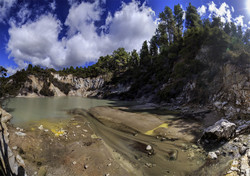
(63, 33)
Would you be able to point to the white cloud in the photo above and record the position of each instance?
(22, 16)
(202, 10)
(5, 6)
(224, 11)
(53, 5)
(232, 9)
(239, 21)
(37, 42)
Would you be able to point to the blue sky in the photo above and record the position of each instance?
(61, 33)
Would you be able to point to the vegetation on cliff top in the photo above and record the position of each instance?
(172, 56)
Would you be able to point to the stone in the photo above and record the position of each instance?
(217, 152)
(149, 148)
(236, 139)
(248, 153)
(5, 116)
(244, 128)
(14, 148)
(212, 155)
(244, 168)
(221, 130)
(20, 134)
(74, 162)
(149, 165)
(40, 127)
(20, 161)
(242, 150)
(235, 165)
(194, 146)
(86, 166)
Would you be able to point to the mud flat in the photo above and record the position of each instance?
(114, 141)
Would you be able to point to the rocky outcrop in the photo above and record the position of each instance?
(81, 86)
(234, 98)
(12, 165)
(222, 130)
(62, 86)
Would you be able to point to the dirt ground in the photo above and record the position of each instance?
(76, 151)
(71, 147)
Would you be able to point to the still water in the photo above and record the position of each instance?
(26, 110)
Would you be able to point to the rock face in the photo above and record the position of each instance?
(81, 87)
(78, 86)
(234, 98)
(13, 165)
(221, 130)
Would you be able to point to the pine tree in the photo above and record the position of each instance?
(227, 28)
(153, 49)
(239, 32)
(246, 37)
(170, 21)
(144, 53)
(178, 15)
(192, 17)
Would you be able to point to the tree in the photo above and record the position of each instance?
(170, 22)
(121, 58)
(206, 23)
(233, 30)
(246, 37)
(3, 71)
(178, 16)
(30, 68)
(217, 22)
(227, 28)
(239, 32)
(135, 59)
(144, 53)
(192, 17)
(153, 49)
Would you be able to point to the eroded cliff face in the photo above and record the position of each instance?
(78, 86)
(234, 97)
(82, 87)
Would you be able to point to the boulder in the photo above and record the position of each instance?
(212, 155)
(221, 130)
(5, 117)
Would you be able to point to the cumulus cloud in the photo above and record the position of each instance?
(53, 5)
(22, 16)
(5, 6)
(239, 21)
(202, 10)
(224, 11)
(37, 42)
